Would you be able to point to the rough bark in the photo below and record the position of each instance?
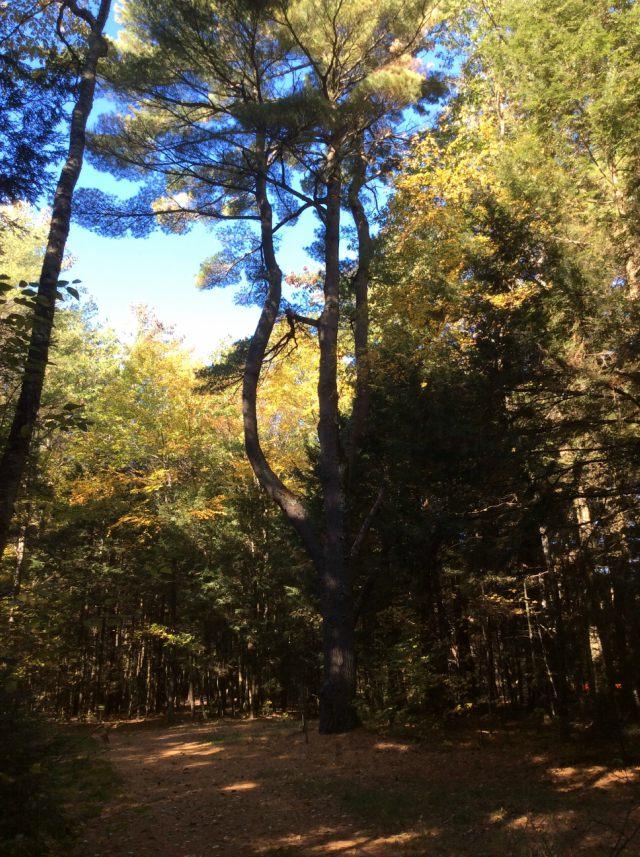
(337, 713)
(18, 445)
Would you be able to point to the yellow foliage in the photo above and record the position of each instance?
(154, 481)
(140, 521)
(212, 510)
(97, 487)
(435, 227)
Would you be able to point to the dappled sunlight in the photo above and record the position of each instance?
(339, 845)
(497, 815)
(242, 788)
(328, 840)
(534, 822)
(569, 779)
(194, 749)
(392, 745)
(539, 759)
(613, 779)
(361, 844)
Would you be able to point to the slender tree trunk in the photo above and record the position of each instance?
(290, 504)
(560, 685)
(534, 683)
(170, 652)
(14, 458)
(360, 410)
(597, 651)
(19, 567)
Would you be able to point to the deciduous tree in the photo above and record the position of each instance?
(18, 443)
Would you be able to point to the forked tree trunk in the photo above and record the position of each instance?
(337, 713)
(293, 508)
(18, 445)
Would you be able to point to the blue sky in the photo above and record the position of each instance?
(160, 271)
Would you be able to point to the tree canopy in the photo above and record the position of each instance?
(412, 492)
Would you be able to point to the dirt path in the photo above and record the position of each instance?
(256, 788)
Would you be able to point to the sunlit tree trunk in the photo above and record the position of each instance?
(290, 504)
(16, 452)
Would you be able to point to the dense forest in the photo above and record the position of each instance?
(412, 495)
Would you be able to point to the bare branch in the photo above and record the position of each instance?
(301, 319)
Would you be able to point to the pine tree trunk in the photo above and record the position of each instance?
(293, 508)
(337, 713)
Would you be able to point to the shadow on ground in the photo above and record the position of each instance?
(247, 788)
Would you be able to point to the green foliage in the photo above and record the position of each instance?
(499, 570)
(22, 250)
(167, 542)
(50, 779)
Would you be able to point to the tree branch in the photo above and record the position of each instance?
(301, 319)
(366, 524)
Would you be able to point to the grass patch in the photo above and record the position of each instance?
(226, 736)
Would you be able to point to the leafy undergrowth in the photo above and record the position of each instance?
(52, 780)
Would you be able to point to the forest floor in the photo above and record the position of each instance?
(255, 787)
